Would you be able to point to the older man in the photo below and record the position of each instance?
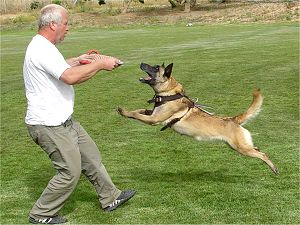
(48, 79)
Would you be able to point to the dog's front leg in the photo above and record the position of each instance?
(143, 111)
(123, 112)
(144, 115)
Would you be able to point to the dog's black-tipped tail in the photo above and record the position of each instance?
(252, 111)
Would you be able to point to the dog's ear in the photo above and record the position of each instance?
(168, 70)
(163, 65)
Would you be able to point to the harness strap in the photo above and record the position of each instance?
(173, 121)
(159, 100)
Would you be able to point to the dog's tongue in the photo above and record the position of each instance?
(142, 79)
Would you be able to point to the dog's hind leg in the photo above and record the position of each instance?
(262, 156)
(243, 144)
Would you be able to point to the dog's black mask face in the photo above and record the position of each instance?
(156, 74)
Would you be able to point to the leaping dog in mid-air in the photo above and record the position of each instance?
(175, 110)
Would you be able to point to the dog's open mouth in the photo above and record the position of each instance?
(146, 79)
(151, 71)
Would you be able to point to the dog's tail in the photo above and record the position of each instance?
(252, 111)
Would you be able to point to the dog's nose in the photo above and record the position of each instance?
(142, 65)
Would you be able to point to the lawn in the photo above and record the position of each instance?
(178, 180)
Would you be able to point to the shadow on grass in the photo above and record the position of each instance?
(216, 176)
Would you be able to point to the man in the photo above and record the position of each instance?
(48, 79)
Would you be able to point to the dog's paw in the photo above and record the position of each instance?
(121, 111)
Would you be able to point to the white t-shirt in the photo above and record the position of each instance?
(50, 101)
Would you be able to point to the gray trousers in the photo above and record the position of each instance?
(71, 151)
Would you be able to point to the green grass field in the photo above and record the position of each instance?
(178, 180)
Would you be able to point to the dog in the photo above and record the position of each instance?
(173, 109)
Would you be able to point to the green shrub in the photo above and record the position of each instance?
(35, 5)
(101, 2)
(57, 2)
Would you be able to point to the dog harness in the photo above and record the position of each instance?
(160, 100)
(173, 121)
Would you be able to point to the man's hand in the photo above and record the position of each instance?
(96, 62)
(108, 62)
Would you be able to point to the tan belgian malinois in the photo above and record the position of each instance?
(175, 110)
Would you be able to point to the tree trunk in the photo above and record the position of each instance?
(126, 4)
(187, 6)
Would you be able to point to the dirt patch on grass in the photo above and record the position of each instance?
(203, 12)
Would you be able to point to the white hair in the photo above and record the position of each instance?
(50, 13)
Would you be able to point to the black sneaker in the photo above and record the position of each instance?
(123, 197)
(48, 220)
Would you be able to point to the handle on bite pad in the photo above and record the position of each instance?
(92, 51)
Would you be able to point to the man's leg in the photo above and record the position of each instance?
(60, 144)
(93, 168)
